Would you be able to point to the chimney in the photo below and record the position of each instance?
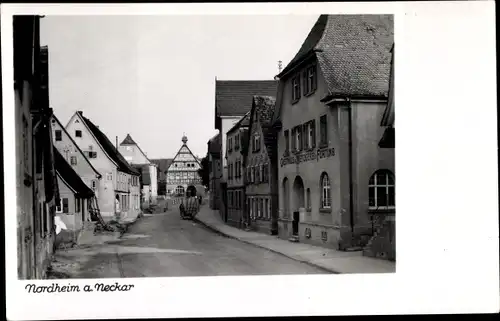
(116, 142)
(280, 66)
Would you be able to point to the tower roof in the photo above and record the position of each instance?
(128, 141)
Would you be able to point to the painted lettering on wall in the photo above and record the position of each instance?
(307, 156)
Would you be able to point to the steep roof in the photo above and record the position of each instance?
(232, 96)
(108, 147)
(69, 175)
(76, 145)
(262, 110)
(243, 122)
(353, 53)
(128, 141)
(163, 164)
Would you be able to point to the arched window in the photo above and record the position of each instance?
(326, 198)
(381, 192)
(179, 190)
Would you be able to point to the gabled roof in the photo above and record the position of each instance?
(70, 177)
(128, 141)
(162, 163)
(108, 147)
(353, 53)
(262, 111)
(76, 145)
(184, 145)
(232, 96)
(243, 122)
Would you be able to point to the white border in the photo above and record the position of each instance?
(446, 160)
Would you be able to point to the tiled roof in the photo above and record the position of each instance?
(108, 147)
(263, 108)
(128, 141)
(214, 145)
(163, 164)
(232, 97)
(353, 52)
(243, 122)
(69, 175)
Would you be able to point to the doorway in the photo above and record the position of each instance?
(298, 200)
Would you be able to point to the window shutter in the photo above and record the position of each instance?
(305, 136)
(313, 126)
(304, 82)
(293, 138)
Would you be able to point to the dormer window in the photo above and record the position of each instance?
(295, 88)
(310, 80)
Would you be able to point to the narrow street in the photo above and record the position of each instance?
(160, 245)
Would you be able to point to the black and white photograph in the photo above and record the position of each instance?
(212, 148)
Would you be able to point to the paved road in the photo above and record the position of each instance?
(164, 245)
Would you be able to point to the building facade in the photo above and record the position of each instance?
(231, 103)
(383, 242)
(36, 181)
(75, 197)
(215, 171)
(77, 159)
(333, 176)
(120, 181)
(261, 176)
(135, 156)
(236, 178)
(182, 174)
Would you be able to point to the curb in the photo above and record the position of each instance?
(263, 247)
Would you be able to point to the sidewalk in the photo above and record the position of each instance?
(328, 259)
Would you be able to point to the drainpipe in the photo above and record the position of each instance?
(351, 196)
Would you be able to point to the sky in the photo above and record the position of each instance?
(153, 77)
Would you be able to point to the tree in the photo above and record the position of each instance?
(204, 171)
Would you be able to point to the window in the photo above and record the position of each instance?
(266, 209)
(230, 144)
(58, 135)
(59, 206)
(323, 133)
(326, 201)
(287, 142)
(298, 141)
(73, 160)
(256, 143)
(250, 206)
(109, 176)
(92, 154)
(252, 175)
(295, 88)
(77, 205)
(78, 133)
(310, 80)
(237, 142)
(381, 192)
(65, 205)
(260, 208)
(311, 134)
(94, 185)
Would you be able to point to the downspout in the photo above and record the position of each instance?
(351, 197)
